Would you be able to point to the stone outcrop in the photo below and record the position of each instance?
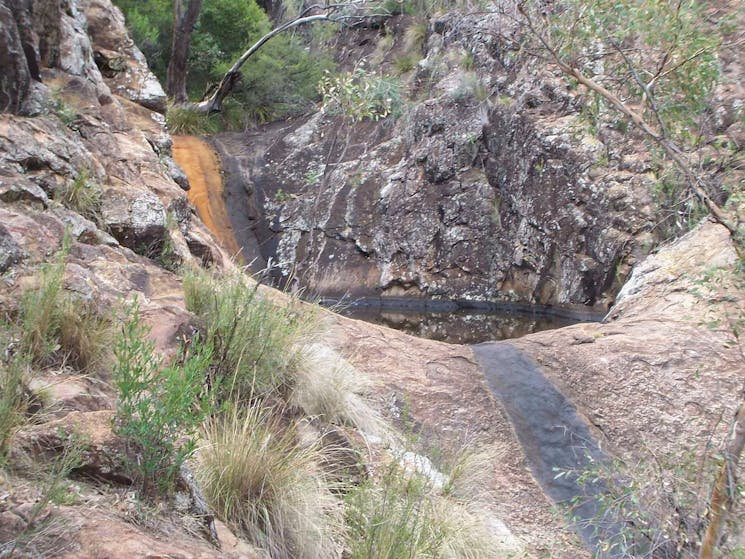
(492, 188)
(93, 127)
(430, 206)
(660, 380)
(663, 362)
(79, 110)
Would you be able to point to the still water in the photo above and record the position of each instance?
(463, 325)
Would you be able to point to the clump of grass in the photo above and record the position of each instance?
(64, 112)
(165, 252)
(44, 534)
(159, 409)
(41, 312)
(470, 88)
(267, 487)
(468, 61)
(470, 475)
(329, 388)
(405, 514)
(85, 335)
(83, 195)
(182, 120)
(56, 328)
(257, 342)
(406, 63)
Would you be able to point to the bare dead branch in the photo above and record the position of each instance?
(722, 499)
(333, 13)
(648, 97)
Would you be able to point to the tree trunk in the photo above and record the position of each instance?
(184, 20)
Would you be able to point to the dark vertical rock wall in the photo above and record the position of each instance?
(488, 186)
(15, 72)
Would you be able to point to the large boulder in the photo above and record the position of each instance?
(120, 60)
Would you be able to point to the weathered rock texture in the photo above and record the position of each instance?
(492, 188)
(75, 102)
(90, 128)
(439, 391)
(660, 380)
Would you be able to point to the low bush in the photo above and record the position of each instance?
(267, 487)
(257, 343)
(159, 409)
(361, 95)
(13, 391)
(653, 507)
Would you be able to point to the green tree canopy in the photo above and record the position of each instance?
(280, 80)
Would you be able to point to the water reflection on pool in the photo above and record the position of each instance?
(463, 326)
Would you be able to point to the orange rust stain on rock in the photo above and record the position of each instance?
(202, 166)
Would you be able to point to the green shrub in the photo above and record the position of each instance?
(159, 409)
(267, 487)
(150, 24)
(280, 80)
(257, 343)
(360, 95)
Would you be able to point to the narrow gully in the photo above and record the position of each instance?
(555, 440)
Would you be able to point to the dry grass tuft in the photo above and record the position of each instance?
(267, 487)
(257, 342)
(85, 336)
(405, 514)
(329, 388)
(56, 328)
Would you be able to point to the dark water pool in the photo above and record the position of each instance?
(450, 322)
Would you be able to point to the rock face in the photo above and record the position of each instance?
(493, 188)
(660, 379)
(93, 127)
(664, 354)
(439, 390)
(76, 116)
(16, 78)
